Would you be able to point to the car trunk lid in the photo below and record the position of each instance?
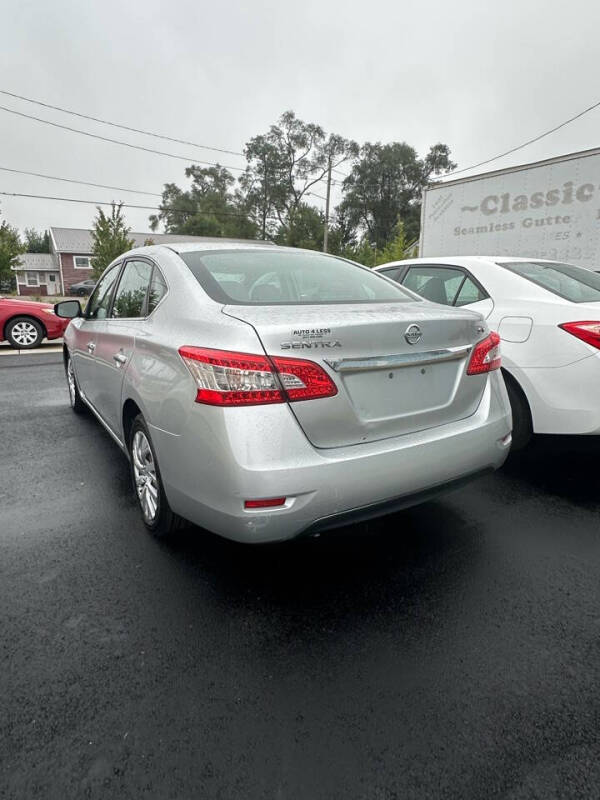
(398, 367)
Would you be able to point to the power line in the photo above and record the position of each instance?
(73, 180)
(124, 205)
(189, 159)
(118, 125)
(521, 146)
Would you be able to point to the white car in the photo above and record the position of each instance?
(548, 317)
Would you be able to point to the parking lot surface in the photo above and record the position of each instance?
(449, 651)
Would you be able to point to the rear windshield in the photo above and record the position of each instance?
(577, 284)
(285, 277)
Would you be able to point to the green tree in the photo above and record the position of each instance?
(210, 207)
(284, 164)
(385, 186)
(10, 250)
(110, 237)
(396, 248)
(36, 242)
(305, 229)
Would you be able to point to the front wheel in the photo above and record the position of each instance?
(75, 400)
(147, 483)
(24, 333)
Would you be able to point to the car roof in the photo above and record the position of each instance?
(459, 260)
(195, 247)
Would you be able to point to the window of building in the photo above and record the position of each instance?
(32, 279)
(82, 262)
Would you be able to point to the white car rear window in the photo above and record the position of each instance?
(577, 284)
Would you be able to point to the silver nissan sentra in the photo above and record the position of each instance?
(265, 392)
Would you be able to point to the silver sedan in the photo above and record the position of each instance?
(265, 392)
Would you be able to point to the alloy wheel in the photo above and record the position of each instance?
(144, 473)
(71, 383)
(24, 333)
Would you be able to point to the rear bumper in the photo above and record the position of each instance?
(225, 458)
(563, 400)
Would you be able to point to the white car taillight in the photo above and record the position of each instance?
(586, 330)
(227, 378)
(485, 356)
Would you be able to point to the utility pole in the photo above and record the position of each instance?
(327, 197)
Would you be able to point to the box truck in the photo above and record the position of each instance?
(548, 209)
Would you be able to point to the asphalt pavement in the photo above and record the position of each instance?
(448, 651)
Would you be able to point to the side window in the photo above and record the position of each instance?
(438, 284)
(469, 293)
(394, 273)
(158, 289)
(130, 297)
(99, 302)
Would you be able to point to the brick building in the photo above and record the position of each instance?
(69, 260)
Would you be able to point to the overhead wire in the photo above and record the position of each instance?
(119, 125)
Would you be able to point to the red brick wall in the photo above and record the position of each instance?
(70, 273)
(33, 291)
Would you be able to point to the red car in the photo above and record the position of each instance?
(24, 323)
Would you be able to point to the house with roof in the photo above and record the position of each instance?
(69, 260)
(37, 274)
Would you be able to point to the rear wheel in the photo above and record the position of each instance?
(147, 482)
(521, 414)
(24, 333)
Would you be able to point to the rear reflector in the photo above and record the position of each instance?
(227, 378)
(485, 356)
(587, 330)
(271, 503)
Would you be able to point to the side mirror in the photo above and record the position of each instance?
(68, 309)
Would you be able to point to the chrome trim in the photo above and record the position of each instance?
(399, 360)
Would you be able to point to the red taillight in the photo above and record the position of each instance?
(241, 379)
(485, 356)
(587, 330)
(303, 380)
(272, 502)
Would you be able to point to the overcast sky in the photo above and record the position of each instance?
(478, 76)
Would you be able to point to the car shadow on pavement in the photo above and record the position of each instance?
(562, 466)
(388, 568)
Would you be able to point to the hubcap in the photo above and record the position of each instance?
(24, 333)
(71, 382)
(144, 473)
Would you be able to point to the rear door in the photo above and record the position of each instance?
(116, 338)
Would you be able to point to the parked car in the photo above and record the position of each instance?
(24, 323)
(82, 288)
(548, 317)
(264, 392)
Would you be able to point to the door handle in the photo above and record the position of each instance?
(91, 347)
(120, 358)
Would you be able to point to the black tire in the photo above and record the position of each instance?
(24, 333)
(82, 293)
(521, 414)
(164, 521)
(75, 400)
